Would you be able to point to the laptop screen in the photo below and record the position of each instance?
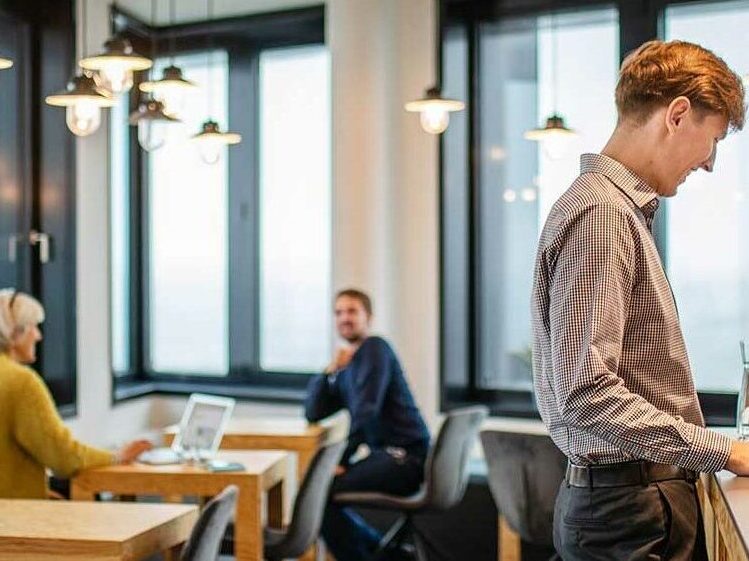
(203, 423)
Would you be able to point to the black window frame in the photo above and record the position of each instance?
(244, 38)
(638, 23)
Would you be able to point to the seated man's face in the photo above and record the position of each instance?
(351, 319)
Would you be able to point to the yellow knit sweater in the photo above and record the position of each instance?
(33, 436)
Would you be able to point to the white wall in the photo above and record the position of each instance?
(385, 209)
(385, 175)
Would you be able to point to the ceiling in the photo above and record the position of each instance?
(195, 10)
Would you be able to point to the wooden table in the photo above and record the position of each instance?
(724, 499)
(293, 435)
(265, 472)
(267, 433)
(59, 530)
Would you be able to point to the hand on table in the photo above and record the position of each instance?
(132, 450)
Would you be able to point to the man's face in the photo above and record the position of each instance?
(691, 143)
(351, 319)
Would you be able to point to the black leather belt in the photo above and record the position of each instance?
(625, 474)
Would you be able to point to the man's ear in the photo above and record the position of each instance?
(676, 112)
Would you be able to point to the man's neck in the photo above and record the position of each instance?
(356, 343)
(634, 153)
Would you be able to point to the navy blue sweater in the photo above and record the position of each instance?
(375, 392)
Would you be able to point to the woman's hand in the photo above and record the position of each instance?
(132, 450)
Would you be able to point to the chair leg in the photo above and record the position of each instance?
(426, 550)
(395, 532)
(392, 538)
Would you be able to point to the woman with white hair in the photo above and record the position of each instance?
(32, 434)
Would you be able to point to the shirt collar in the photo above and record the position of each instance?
(627, 181)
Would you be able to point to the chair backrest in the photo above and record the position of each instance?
(525, 471)
(336, 426)
(446, 472)
(310, 501)
(209, 530)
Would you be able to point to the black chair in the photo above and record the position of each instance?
(309, 507)
(206, 536)
(525, 471)
(445, 481)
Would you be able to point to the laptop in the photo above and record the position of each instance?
(202, 426)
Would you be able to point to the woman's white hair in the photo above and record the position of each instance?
(17, 312)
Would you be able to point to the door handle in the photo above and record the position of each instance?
(42, 240)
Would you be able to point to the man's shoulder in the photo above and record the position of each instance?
(591, 197)
(376, 342)
(590, 190)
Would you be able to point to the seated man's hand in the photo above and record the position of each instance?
(339, 470)
(342, 358)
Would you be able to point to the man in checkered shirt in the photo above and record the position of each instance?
(611, 373)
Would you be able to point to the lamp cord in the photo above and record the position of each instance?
(209, 89)
(172, 37)
(554, 54)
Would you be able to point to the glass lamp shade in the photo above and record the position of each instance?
(170, 90)
(435, 110)
(83, 118)
(211, 141)
(555, 137)
(153, 124)
(434, 120)
(115, 66)
(5, 63)
(83, 101)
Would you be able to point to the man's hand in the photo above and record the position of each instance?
(132, 450)
(339, 470)
(738, 461)
(342, 358)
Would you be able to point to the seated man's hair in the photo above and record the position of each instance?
(358, 295)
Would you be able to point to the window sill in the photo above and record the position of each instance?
(126, 390)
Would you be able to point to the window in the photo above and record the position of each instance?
(519, 180)
(708, 265)
(527, 67)
(497, 188)
(221, 272)
(188, 233)
(295, 209)
(119, 215)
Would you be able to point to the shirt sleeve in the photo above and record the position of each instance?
(42, 433)
(322, 399)
(372, 375)
(591, 291)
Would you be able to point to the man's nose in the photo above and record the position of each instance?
(709, 164)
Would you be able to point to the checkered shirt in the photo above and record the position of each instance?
(610, 367)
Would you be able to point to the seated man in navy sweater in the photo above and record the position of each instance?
(366, 379)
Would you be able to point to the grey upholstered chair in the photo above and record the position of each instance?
(206, 536)
(445, 480)
(309, 505)
(525, 471)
